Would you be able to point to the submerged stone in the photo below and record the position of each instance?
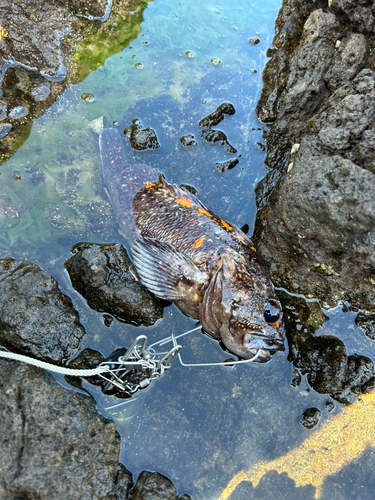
(214, 118)
(141, 139)
(154, 486)
(310, 418)
(217, 136)
(18, 112)
(188, 140)
(223, 166)
(41, 92)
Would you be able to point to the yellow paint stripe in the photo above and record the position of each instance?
(339, 441)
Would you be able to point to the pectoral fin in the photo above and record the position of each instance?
(168, 273)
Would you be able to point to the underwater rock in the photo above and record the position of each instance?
(103, 275)
(214, 118)
(254, 40)
(154, 486)
(217, 136)
(54, 443)
(141, 139)
(223, 166)
(36, 317)
(316, 223)
(188, 140)
(310, 418)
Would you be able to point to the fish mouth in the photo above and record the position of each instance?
(262, 348)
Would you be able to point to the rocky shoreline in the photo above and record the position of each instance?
(315, 228)
(316, 219)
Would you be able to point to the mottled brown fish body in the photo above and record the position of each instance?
(190, 256)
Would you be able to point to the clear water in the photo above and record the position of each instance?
(198, 426)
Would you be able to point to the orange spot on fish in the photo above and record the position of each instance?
(168, 286)
(202, 211)
(118, 149)
(149, 184)
(226, 225)
(185, 202)
(253, 249)
(198, 243)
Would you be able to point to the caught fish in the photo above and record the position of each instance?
(186, 254)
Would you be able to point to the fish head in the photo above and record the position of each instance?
(253, 327)
(247, 314)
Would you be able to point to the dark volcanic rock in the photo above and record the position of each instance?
(217, 136)
(53, 442)
(226, 108)
(310, 418)
(316, 227)
(154, 486)
(141, 139)
(35, 317)
(223, 166)
(188, 140)
(323, 358)
(103, 275)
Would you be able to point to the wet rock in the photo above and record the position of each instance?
(214, 118)
(103, 275)
(310, 418)
(86, 359)
(44, 43)
(18, 112)
(323, 358)
(141, 139)
(35, 317)
(316, 222)
(5, 128)
(366, 322)
(154, 486)
(358, 377)
(188, 140)
(54, 444)
(329, 406)
(223, 166)
(217, 136)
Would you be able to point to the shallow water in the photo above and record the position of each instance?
(198, 426)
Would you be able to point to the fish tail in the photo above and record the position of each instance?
(122, 180)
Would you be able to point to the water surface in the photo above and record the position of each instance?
(198, 426)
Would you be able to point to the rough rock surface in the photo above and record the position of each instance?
(39, 43)
(54, 444)
(316, 224)
(323, 358)
(35, 317)
(154, 486)
(102, 273)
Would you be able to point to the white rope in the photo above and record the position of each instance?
(53, 368)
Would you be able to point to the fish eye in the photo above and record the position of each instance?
(271, 313)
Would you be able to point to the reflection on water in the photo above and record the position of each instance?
(199, 426)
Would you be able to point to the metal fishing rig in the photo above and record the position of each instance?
(126, 371)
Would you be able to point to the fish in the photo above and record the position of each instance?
(186, 254)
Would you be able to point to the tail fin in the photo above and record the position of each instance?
(123, 181)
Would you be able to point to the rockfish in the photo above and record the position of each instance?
(186, 254)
